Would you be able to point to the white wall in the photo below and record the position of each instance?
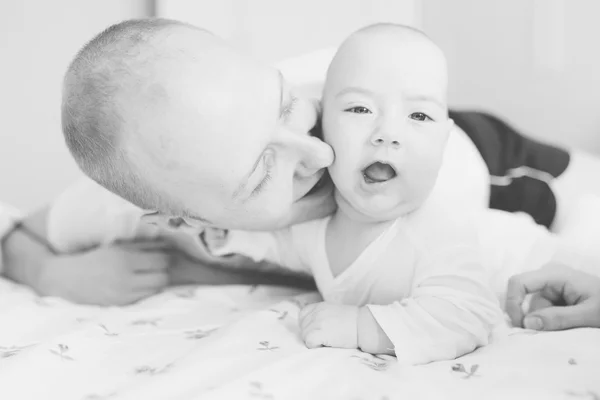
(38, 38)
(273, 30)
(534, 62)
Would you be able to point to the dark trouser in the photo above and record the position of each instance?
(506, 152)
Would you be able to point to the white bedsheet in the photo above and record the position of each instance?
(240, 342)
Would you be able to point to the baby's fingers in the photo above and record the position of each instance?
(315, 338)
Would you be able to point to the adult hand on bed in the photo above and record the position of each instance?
(572, 299)
(119, 274)
(329, 325)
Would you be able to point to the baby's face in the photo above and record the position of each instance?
(385, 116)
(226, 137)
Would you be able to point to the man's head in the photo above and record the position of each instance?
(171, 118)
(385, 115)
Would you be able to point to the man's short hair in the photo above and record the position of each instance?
(92, 124)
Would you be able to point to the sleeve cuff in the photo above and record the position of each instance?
(387, 318)
(413, 337)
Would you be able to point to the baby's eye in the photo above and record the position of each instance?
(419, 116)
(359, 110)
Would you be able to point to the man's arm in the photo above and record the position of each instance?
(23, 257)
(86, 216)
(189, 271)
(23, 246)
(243, 257)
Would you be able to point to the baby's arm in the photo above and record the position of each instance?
(271, 250)
(450, 312)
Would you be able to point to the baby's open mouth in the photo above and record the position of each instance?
(378, 172)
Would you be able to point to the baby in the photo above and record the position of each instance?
(398, 275)
(400, 272)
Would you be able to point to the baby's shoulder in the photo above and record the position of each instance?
(439, 226)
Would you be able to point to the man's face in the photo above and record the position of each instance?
(227, 139)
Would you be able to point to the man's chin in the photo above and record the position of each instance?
(323, 182)
(317, 203)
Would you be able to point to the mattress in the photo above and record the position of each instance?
(242, 342)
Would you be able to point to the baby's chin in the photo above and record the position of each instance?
(374, 210)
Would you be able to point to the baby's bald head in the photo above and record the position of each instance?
(112, 76)
(387, 39)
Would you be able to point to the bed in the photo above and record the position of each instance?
(242, 342)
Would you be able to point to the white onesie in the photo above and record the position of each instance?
(423, 279)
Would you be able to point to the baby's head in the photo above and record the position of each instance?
(385, 115)
(171, 118)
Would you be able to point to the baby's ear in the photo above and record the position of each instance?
(448, 126)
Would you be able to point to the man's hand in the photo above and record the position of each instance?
(119, 274)
(329, 325)
(573, 299)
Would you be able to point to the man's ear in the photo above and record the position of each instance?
(191, 223)
(152, 218)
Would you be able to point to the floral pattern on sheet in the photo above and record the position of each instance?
(62, 351)
(375, 362)
(10, 351)
(243, 342)
(467, 372)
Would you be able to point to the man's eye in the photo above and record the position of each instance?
(359, 110)
(419, 116)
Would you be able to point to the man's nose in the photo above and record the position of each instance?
(313, 155)
(388, 133)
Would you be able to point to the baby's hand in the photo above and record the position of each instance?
(329, 325)
(119, 274)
